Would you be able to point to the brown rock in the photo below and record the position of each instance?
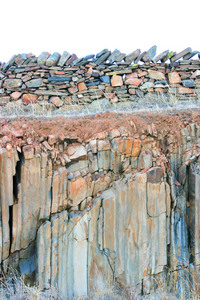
(77, 190)
(132, 75)
(82, 86)
(109, 95)
(15, 95)
(185, 90)
(156, 75)
(131, 91)
(56, 101)
(133, 81)
(136, 148)
(73, 90)
(29, 98)
(12, 83)
(116, 80)
(155, 175)
(174, 77)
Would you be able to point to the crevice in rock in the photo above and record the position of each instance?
(17, 177)
(11, 225)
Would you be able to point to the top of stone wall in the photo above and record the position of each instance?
(103, 59)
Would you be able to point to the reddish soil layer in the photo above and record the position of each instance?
(28, 130)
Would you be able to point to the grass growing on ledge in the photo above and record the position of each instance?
(151, 102)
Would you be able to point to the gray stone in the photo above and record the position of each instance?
(139, 57)
(100, 104)
(53, 59)
(90, 56)
(132, 56)
(34, 83)
(190, 55)
(64, 57)
(42, 58)
(105, 79)
(114, 55)
(103, 58)
(101, 53)
(120, 57)
(161, 56)
(150, 54)
(59, 79)
(181, 54)
(147, 85)
(188, 83)
(9, 63)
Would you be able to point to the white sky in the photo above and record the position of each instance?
(88, 26)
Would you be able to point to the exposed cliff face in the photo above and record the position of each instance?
(117, 203)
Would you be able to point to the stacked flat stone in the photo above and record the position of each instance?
(57, 81)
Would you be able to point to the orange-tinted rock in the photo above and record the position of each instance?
(56, 101)
(60, 72)
(109, 95)
(185, 90)
(73, 90)
(131, 91)
(156, 75)
(132, 75)
(29, 98)
(77, 190)
(82, 86)
(136, 148)
(116, 80)
(15, 95)
(12, 83)
(174, 77)
(133, 81)
(128, 144)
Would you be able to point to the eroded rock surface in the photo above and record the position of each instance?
(83, 211)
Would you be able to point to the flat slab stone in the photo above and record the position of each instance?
(161, 56)
(132, 56)
(188, 83)
(102, 52)
(181, 54)
(190, 54)
(59, 79)
(114, 55)
(103, 58)
(34, 83)
(12, 83)
(41, 60)
(64, 57)
(150, 54)
(53, 59)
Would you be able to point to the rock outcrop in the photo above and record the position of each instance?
(118, 208)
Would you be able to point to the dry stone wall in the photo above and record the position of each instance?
(107, 79)
(83, 215)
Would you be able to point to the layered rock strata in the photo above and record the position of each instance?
(118, 208)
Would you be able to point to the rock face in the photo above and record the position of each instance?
(83, 215)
